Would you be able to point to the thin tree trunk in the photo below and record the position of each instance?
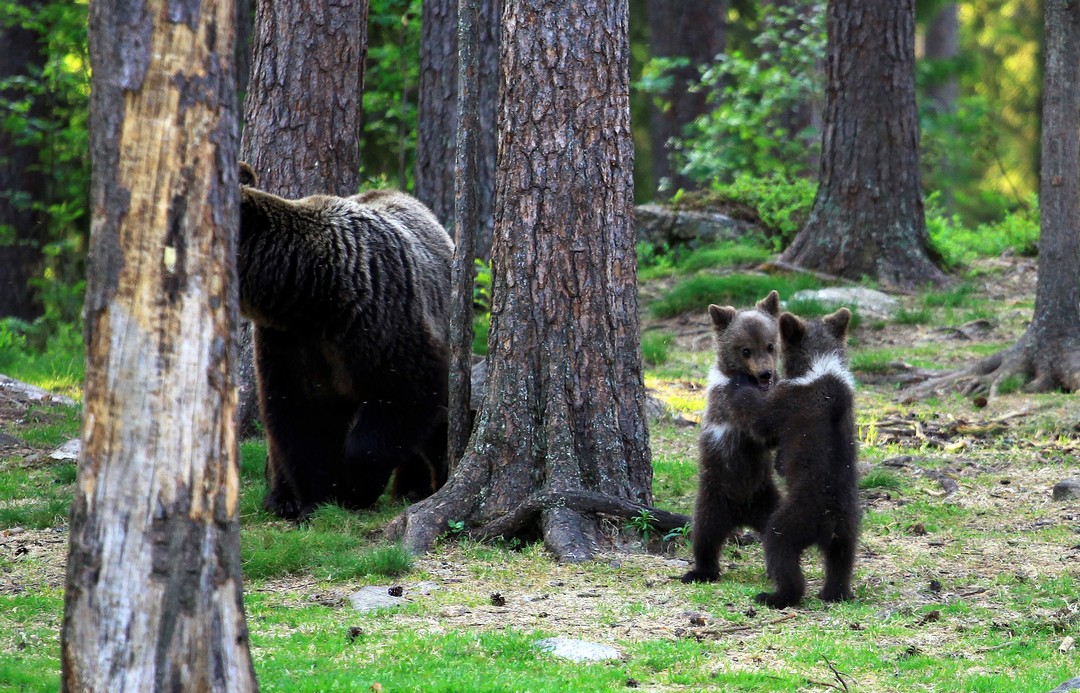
(692, 30)
(21, 181)
(564, 409)
(1047, 355)
(942, 44)
(466, 226)
(153, 596)
(436, 129)
(302, 117)
(868, 218)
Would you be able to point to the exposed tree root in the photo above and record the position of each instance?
(1043, 365)
(564, 519)
(581, 501)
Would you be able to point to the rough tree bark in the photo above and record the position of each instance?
(466, 226)
(21, 182)
(1047, 355)
(302, 117)
(868, 219)
(692, 30)
(153, 593)
(564, 411)
(436, 128)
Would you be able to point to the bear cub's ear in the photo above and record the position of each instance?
(247, 175)
(792, 328)
(721, 316)
(770, 304)
(838, 322)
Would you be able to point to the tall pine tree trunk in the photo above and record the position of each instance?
(868, 218)
(1047, 355)
(23, 229)
(302, 116)
(153, 596)
(564, 413)
(437, 108)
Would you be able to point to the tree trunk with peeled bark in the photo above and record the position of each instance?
(1047, 355)
(302, 117)
(868, 218)
(564, 409)
(153, 596)
(437, 112)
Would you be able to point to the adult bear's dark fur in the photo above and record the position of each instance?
(349, 299)
(735, 485)
(811, 415)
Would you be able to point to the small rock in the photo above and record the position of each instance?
(8, 441)
(67, 451)
(1067, 644)
(1067, 489)
(1072, 684)
(578, 650)
(372, 597)
(870, 303)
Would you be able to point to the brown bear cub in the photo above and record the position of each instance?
(735, 485)
(811, 418)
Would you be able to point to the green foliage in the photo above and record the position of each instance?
(391, 80)
(644, 523)
(48, 110)
(756, 95)
(697, 292)
(1011, 384)
(778, 203)
(1017, 232)
(655, 346)
(56, 364)
(957, 244)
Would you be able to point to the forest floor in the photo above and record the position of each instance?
(967, 578)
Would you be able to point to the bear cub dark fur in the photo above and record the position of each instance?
(349, 298)
(811, 417)
(735, 484)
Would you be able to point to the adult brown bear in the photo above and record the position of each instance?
(349, 300)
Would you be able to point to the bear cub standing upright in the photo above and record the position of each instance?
(735, 484)
(811, 417)
(349, 298)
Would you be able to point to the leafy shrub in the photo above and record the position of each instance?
(780, 205)
(756, 100)
(1017, 232)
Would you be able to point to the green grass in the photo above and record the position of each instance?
(913, 316)
(655, 346)
(878, 477)
(57, 364)
(740, 290)
(724, 255)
